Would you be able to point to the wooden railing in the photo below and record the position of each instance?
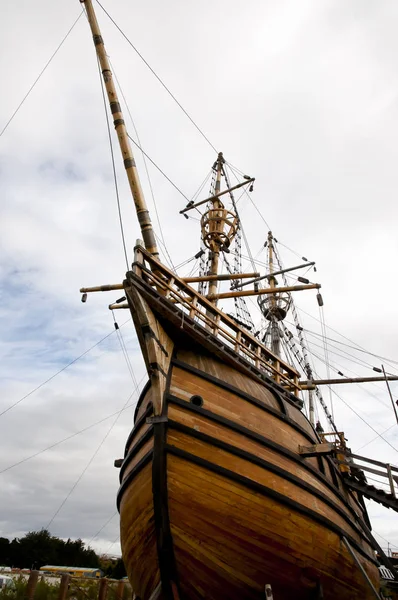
(190, 302)
(386, 474)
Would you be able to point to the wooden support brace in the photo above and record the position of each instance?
(316, 449)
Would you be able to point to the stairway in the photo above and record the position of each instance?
(371, 492)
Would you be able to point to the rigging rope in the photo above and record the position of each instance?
(307, 368)
(325, 346)
(124, 351)
(334, 368)
(102, 528)
(249, 196)
(168, 257)
(356, 346)
(113, 166)
(80, 477)
(158, 168)
(364, 420)
(69, 437)
(11, 406)
(39, 76)
(375, 438)
(157, 77)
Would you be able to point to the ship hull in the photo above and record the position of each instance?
(217, 499)
(216, 502)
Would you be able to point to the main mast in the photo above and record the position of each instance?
(124, 142)
(275, 336)
(217, 225)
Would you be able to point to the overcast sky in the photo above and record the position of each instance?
(301, 95)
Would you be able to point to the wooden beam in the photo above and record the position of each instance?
(290, 288)
(221, 277)
(268, 276)
(310, 385)
(317, 449)
(235, 187)
(117, 306)
(103, 288)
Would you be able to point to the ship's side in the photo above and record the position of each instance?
(215, 499)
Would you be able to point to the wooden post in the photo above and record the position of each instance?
(391, 480)
(120, 590)
(390, 394)
(102, 588)
(215, 250)
(32, 583)
(63, 588)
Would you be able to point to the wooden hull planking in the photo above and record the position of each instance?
(216, 502)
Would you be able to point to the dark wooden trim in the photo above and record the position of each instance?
(164, 539)
(147, 436)
(141, 421)
(270, 493)
(321, 466)
(138, 467)
(257, 437)
(267, 466)
(227, 386)
(141, 398)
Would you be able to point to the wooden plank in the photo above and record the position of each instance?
(137, 534)
(147, 447)
(184, 384)
(228, 537)
(260, 475)
(200, 423)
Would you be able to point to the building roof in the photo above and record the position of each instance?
(70, 568)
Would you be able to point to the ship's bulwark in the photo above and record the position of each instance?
(215, 501)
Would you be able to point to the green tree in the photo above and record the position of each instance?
(39, 548)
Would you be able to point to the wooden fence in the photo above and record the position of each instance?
(107, 589)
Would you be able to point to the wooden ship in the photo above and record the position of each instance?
(227, 489)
